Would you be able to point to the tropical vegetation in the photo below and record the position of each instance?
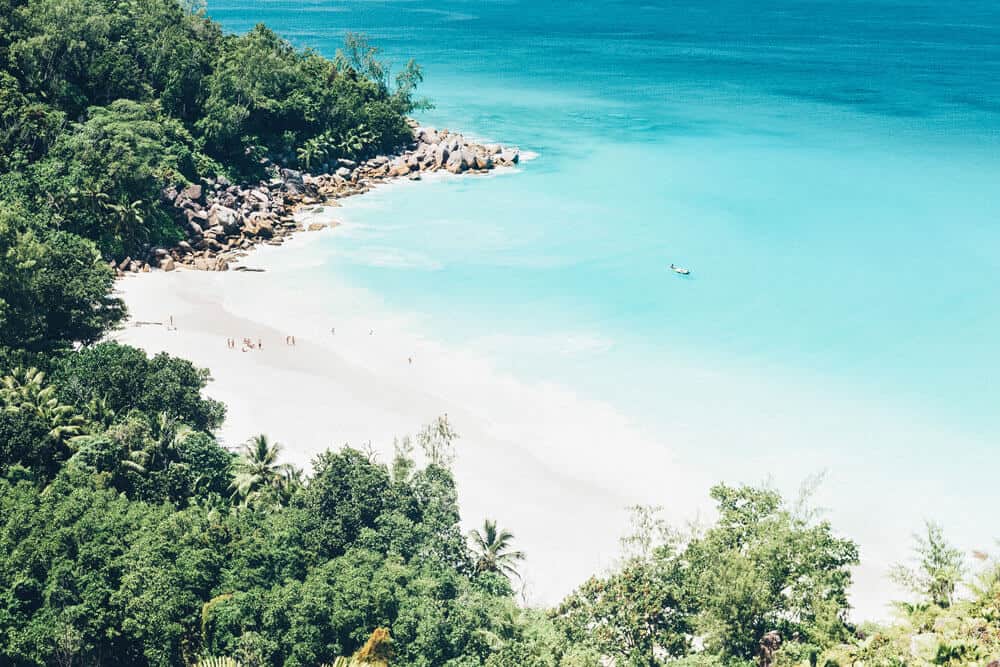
(130, 536)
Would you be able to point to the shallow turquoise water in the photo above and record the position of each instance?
(828, 170)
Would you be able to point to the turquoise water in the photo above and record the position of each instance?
(828, 170)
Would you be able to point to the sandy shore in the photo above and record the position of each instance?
(557, 469)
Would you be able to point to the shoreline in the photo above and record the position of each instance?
(223, 222)
(528, 453)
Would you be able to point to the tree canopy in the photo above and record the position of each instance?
(130, 536)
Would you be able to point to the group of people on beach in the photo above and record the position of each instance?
(247, 344)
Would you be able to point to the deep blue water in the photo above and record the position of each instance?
(829, 170)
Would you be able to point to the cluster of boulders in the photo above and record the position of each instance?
(442, 150)
(223, 221)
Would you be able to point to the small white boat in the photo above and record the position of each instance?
(680, 269)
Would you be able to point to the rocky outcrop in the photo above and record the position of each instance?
(434, 150)
(222, 221)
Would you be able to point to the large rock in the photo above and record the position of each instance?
(259, 226)
(167, 264)
(454, 142)
(343, 172)
(225, 217)
(192, 192)
(459, 161)
(400, 168)
(211, 263)
(441, 155)
(483, 161)
(427, 135)
(293, 181)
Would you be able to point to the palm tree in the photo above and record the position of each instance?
(307, 153)
(25, 391)
(168, 434)
(258, 472)
(492, 550)
(100, 414)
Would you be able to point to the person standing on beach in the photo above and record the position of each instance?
(260, 344)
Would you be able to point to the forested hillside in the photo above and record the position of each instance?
(129, 536)
(103, 104)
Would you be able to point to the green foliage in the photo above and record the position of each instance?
(27, 127)
(26, 401)
(125, 379)
(129, 536)
(491, 550)
(103, 103)
(636, 615)
(54, 290)
(938, 569)
(759, 568)
(298, 105)
(106, 174)
(260, 479)
(762, 567)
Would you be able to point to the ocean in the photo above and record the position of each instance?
(828, 171)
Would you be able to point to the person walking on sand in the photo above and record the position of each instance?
(410, 359)
(260, 344)
(333, 331)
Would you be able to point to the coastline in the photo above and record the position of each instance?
(527, 456)
(223, 222)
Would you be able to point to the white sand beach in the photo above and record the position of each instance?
(557, 469)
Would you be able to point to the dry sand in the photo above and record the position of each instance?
(557, 469)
